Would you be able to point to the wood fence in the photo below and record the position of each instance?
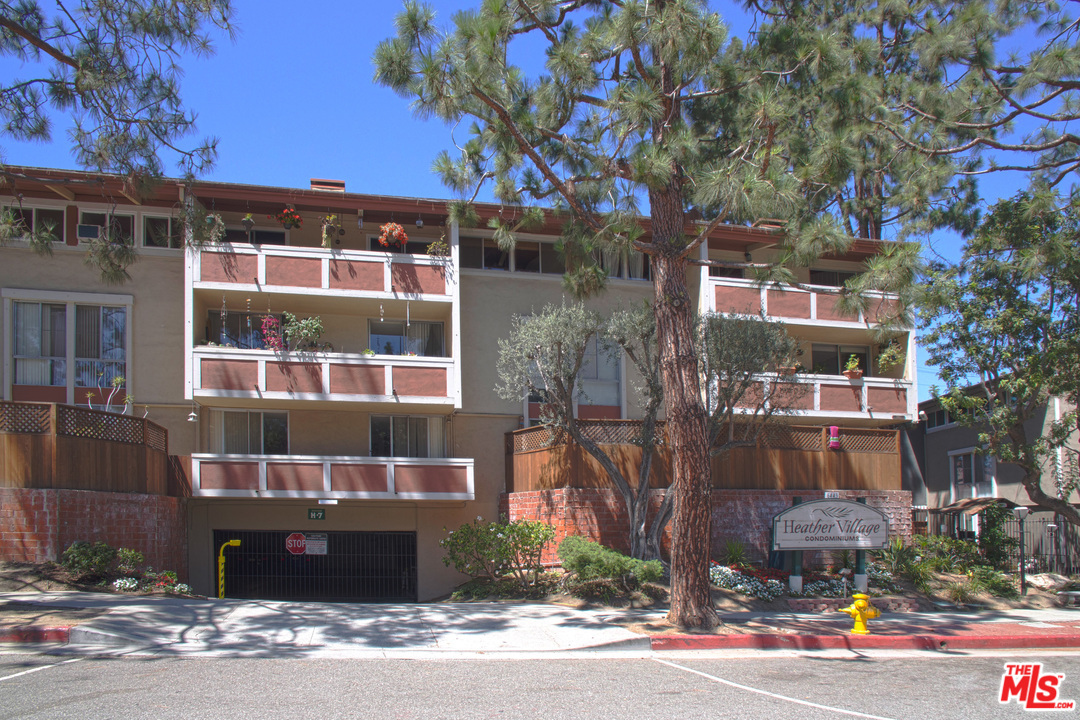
(789, 457)
(46, 445)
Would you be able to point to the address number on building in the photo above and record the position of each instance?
(316, 514)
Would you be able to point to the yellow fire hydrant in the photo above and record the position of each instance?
(860, 610)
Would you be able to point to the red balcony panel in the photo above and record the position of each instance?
(731, 299)
(39, 393)
(420, 382)
(294, 476)
(881, 309)
(840, 398)
(230, 374)
(599, 412)
(293, 272)
(430, 479)
(229, 268)
(827, 308)
(789, 304)
(358, 379)
(229, 475)
(358, 478)
(356, 275)
(887, 399)
(752, 397)
(427, 279)
(294, 377)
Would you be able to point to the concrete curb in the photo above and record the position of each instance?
(856, 642)
(35, 634)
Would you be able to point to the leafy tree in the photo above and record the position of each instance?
(1003, 326)
(640, 104)
(112, 65)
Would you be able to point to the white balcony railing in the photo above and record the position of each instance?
(323, 272)
(732, 295)
(834, 396)
(231, 373)
(331, 477)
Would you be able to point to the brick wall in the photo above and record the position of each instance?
(743, 515)
(36, 525)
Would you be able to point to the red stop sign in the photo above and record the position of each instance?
(296, 543)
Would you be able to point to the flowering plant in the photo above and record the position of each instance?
(288, 216)
(271, 332)
(392, 234)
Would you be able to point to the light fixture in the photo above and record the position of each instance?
(747, 256)
(419, 222)
(193, 416)
(360, 219)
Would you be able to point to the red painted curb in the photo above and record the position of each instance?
(33, 634)
(854, 642)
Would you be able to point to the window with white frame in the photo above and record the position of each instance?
(398, 337)
(40, 343)
(39, 220)
(162, 232)
(237, 329)
(598, 382)
(243, 432)
(831, 359)
(117, 227)
(100, 345)
(408, 436)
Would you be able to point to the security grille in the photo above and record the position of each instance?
(357, 567)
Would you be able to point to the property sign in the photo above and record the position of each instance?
(296, 543)
(830, 525)
(316, 544)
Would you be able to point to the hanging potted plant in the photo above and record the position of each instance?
(392, 234)
(330, 228)
(288, 218)
(248, 222)
(852, 371)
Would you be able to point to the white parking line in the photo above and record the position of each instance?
(770, 694)
(43, 667)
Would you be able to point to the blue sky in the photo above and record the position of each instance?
(292, 98)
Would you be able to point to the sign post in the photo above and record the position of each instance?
(830, 525)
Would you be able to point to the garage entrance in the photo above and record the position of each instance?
(356, 566)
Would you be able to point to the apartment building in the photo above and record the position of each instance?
(342, 462)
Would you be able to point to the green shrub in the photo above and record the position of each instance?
(495, 549)
(896, 557)
(995, 582)
(959, 593)
(589, 560)
(944, 554)
(129, 561)
(994, 542)
(734, 553)
(88, 561)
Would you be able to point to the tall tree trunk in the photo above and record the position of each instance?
(691, 602)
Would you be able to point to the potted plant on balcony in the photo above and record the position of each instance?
(248, 222)
(330, 229)
(301, 334)
(890, 355)
(271, 332)
(392, 234)
(289, 218)
(852, 371)
(368, 352)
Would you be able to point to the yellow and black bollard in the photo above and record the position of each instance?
(860, 610)
(221, 566)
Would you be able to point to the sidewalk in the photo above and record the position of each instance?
(253, 628)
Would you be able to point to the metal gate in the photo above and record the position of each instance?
(357, 566)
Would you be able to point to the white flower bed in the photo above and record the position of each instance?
(729, 579)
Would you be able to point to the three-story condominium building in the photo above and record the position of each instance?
(341, 458)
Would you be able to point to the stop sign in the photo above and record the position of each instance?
(296, 543)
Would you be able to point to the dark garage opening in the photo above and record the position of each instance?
(357, 567)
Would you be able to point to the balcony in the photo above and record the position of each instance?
(227, 373)
(834, 396)
(331, 477)
(329, 273)
(793, 305)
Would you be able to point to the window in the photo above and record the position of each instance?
(550, 261)
(599, 378)
(725, 272)
(40, 344)
(938, 418)
(972, 473)
(831, 359)
(396, 337)
(527, 257)
(239, 329)
(404, 436)
(637, 266)
(251, 433)
(100, 345)
(39, 220)
(610, 261)
(116, 227)
(161, 232)
(830, 278)
(482, 253)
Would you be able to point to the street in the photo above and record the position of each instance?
(603, 686)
